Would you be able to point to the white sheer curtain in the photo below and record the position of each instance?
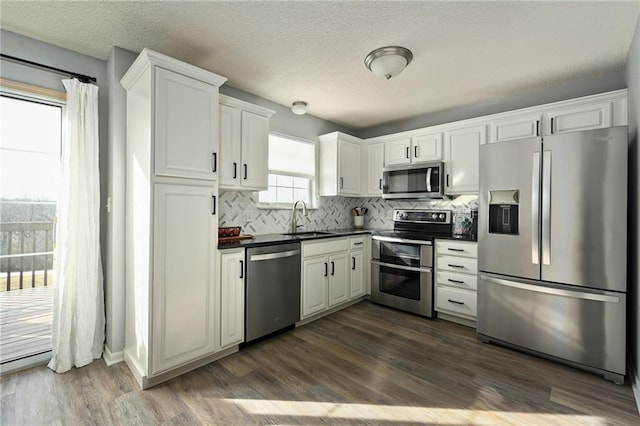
(78, 308)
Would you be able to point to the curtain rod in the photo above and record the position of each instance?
(83, 78)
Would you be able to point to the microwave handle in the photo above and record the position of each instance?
(429, 179)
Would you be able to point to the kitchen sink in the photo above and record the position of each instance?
(308, 234)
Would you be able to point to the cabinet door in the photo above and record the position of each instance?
(374, 165)
(461, 156)
(183, 299)
(255, 151)
(186, 126)
(338, 279)
(229, 154)
(231, 303)
(397, 152)
(357, 274)
(518, 127)
(349, 158)
(585, 117)
(314, 286)
(427, 148)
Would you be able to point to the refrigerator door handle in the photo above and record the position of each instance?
(535, 209)
(553, 291)
(546, 208)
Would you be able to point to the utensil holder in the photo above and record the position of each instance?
(358, 221)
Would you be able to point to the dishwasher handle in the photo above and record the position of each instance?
(272, 256)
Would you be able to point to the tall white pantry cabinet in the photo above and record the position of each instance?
(172, 323)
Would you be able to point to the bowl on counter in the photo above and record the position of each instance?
(229, 231)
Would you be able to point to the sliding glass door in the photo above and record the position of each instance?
(30, 139)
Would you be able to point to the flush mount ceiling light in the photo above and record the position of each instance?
(388, 61)
(299, 107)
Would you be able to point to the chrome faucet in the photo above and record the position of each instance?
(294, 220)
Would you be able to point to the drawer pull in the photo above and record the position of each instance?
(359, 243)
(455, 266)
(455, 281)
(455, 301)
(455, 249)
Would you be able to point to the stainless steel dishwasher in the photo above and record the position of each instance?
(272, 296)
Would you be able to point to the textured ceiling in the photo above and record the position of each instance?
(464, 52)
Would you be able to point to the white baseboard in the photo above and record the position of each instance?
(111, 358)
(635, 382)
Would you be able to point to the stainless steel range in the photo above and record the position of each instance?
(402, 260)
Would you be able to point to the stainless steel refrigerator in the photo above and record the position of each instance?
(552, 238)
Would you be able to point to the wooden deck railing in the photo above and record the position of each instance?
(26, 250)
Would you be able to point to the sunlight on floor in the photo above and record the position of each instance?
(440, 416)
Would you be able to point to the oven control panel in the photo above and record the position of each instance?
(422, 216)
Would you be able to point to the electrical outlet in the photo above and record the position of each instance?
(389, 214)
(247, 216)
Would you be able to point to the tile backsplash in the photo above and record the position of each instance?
(331, 213)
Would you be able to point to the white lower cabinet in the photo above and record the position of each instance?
(231, 297)
(456, 280)
(359, 265)
(329, 278)
(315, 291)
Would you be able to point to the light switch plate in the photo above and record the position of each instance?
(247, 216)
(389, 214)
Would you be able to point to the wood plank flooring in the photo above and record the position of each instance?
(25, 322)
(366, 364)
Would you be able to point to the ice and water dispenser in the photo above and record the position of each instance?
(503, 211)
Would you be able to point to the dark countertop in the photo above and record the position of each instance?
(271, 239)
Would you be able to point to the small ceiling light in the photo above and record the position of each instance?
(388, 61)
(299, 107)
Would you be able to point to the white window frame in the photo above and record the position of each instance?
(313, 187)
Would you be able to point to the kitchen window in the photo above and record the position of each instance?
(292, 170)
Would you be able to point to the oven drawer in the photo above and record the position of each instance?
(457, 264)
(455, 279)
(456, 300)
(457, 248)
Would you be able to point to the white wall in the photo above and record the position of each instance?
(114, 288)
(632, 75)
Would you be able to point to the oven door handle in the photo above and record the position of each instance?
(401, 240)
(404, 268)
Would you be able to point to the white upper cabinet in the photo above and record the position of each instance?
(339, 165)
(461, 156)
(186, 125)
(397, 152)
(582, 117)
(421, 148)
(244, 145)
(372, 165)
(586, 113)
(426, 147)
(520, 126)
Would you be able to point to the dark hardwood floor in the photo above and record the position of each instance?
(364, 365)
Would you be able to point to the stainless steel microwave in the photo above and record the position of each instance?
(417, 181)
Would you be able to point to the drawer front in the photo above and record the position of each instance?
(457, 264)
(456, 301)
(356, 243)
(324, 246)
(455, 279)
(456, 248)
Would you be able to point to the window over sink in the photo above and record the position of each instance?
(292, 172)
